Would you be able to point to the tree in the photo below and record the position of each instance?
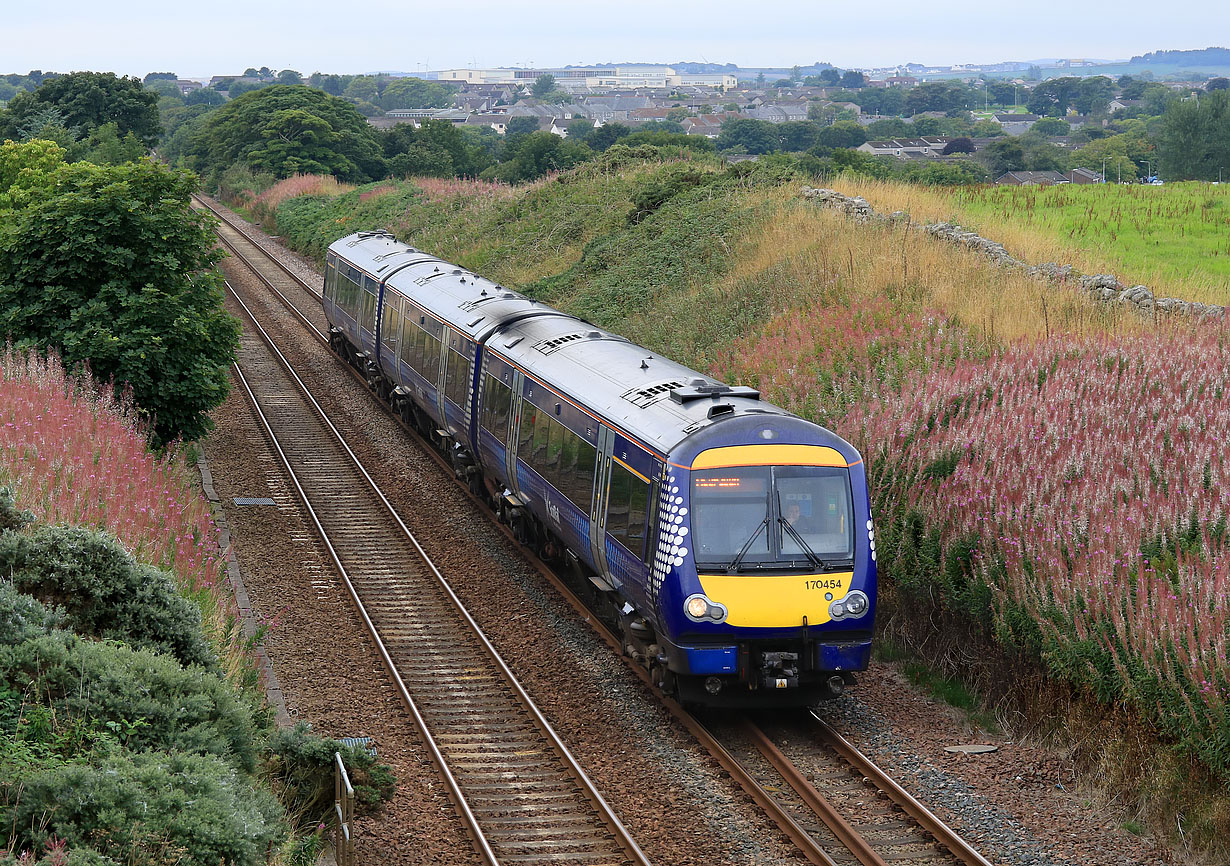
(543, 85)
(1002, 156)
(1051, 126)
(746, 135)
(362, 87)
(112, 267)
(926, 125)
(160, 76)
(1124, 156)
(1194, 141)
(604, 136)
(289, 76)
(204, 96)
(286, 129)
(87, 100)
(796, 136)
(1053, 97)
(830, 77)
(889, 127)
(416, 93)
(332, 85)
(1093, 95)
(853, 80)
(1217, 84)
(986, 129)
(958, 145)
(843, 133)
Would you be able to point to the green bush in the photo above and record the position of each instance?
(57, 853)
(23, 617)
(104, 592)
(301, 764)
(149, 810)
(145, 699)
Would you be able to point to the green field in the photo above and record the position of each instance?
(1163, 236)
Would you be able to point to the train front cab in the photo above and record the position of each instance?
(764, 570)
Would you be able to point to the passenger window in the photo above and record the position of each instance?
(392, 322)
(587, 455)
(555, 447)
(542, 433)
(529, 413)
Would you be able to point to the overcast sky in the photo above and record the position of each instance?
(133, 37)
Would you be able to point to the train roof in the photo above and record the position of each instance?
(472, 304)
(656, 400)
(653, 398)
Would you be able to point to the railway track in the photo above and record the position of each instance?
(844, 811)
(522, 796)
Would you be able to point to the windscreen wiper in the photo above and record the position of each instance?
(734, 565)
(794, 533)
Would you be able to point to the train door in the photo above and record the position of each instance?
(514, 431)
(442, 335)
(597, 509)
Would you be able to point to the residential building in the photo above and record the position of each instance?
(1031, 178)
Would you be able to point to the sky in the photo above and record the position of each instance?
(134, 37)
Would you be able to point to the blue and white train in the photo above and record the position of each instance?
(731, 539)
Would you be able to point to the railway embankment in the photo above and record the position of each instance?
(1055, 489)
(132, 723)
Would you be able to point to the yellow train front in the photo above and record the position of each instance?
(762, 581)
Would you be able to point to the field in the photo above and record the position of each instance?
(1174, 238)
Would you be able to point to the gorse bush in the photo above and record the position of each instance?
(22, 617)
(146, 809)
(104, 591)
(146, 699)
(302, 763)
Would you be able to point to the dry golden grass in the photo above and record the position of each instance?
(817, 256)
(1031, 243)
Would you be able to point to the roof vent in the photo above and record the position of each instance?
(554, 343)
(649, 394)
(695, 391)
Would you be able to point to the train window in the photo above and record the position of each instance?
(617, 503)
(497, 401)
(638, 508)
(555, 447)
(452, 374)
(330, 279)
(542, 433)
(568, 464)
(431, 358)
(368, 311)
(529, 413)
(391, 325)
(583, 481)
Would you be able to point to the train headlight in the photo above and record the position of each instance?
(701, 609)
(854, 604)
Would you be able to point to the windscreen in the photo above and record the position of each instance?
(758, 517)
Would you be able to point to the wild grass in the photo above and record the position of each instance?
(264, 207)
(1173, 238)
(73, 453)
(1078, 494)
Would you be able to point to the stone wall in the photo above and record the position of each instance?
(1100, 287)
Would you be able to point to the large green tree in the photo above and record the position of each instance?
(416, 93)
(86, 101)
(1194, 141)
(110, 266)
(284, 129)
